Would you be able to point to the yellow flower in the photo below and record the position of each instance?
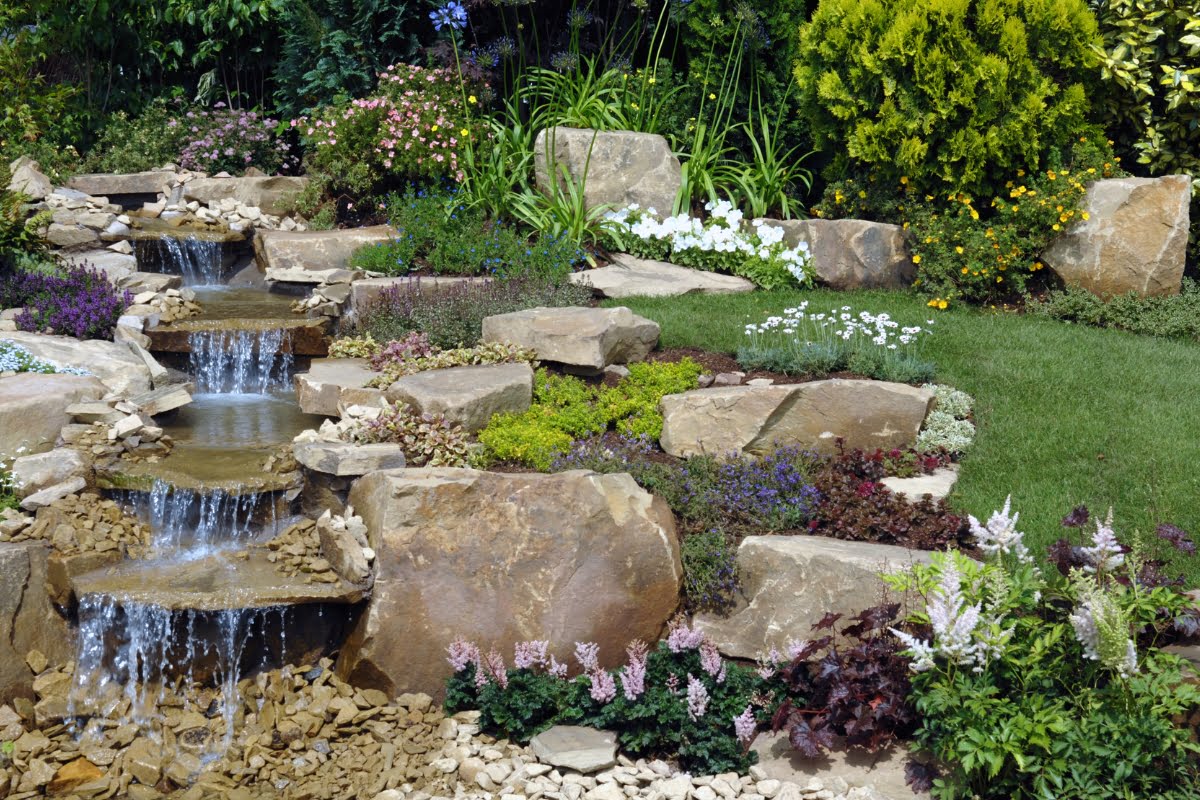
(862, 193)
(965, 270)
(652, 80)
(1086, 215)
(1016, 209)
(712, 96)
(472, 100)
(942, 304)
(999, 279)
(916, 259)
(1020, 173)
(465, 132)
(958, 249)
(1050, 174)
(928, 198)
(904, 180)
(1056, 226)
(974, 214)
(434, 128)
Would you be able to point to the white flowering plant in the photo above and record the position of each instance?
(721, 242)
(15, 358)
(802, 340)
(947, 426)
(1033, 687)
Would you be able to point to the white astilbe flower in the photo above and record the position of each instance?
(1000, 535)
(1102, 629)
(1083, 620)
(1105, 552)
(919, 650)
(953, 620)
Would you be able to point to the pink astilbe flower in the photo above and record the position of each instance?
(462, 653)
(673, 683)
(530, 655)
(744, 726)
(604, 688)
(682, 637)
(697, 698)
(770, 665)
(494, 665)
(711, 662)
(633, 674)
(556, 669)
(588, 655)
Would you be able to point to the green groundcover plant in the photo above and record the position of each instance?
(1027, 688)
(1175, 316)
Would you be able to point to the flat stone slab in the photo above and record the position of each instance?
(937, 485)
(200, 469)
(116, 266)
(368, 290)
(315, 250)
(33, 409)
(576, 748)
(586, 339)
(789, 582)
(108, 184)
(113, 363)
(164, 399)
(58, 491)
(31, 474)
(215, 583)
(345, 459)
(467, 396)
(333, 381)
(755, 420)
(630, 276)
(305, 337)
(138, 282)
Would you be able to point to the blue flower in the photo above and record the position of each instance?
(451, 14)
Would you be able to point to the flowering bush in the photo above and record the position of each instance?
(428, 441)
(15, 358)
(226, 139)
(804, 343)
(413, 129)
(78, 302)
(678, 699)
(1030, 689)
(718, 243)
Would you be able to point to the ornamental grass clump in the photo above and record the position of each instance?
(1026, 687)
(801, 342)
(677, 699)
(78, 301)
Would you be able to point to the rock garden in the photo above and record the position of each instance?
(666, 400)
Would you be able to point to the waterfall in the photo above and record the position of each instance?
(199, 261)
(190, 524)
(240, 361)
(131, 655)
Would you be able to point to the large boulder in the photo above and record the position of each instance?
(287, 251)
(27, 619)
(27, 179)
(501, 558)
(39, 471)
(117, 367)
(1134, 238)
(789, 582)
(754, 420)
(108, 184)
(581, 339)
(115, 266)
(852, 253)
(333, 382)
(271, 194)
(344, 459)
(629, 276)
(33, 409)
(467, 396)
(617, 168)
(72, 236)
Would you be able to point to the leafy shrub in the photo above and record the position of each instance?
(853, 685)
(565, 409)
(718, 243)
(395, 363)
(1150, 61)
(142, 142)
(1029, 689)
(354, 347)
(32, 110)
(953, 96)
(804, 343)
(679, 699)
(14, 358)
(18, 231)
(1176, 316)
(77, 302)
(428, 440)
(453, 316)
(710, 579)
(229, 140)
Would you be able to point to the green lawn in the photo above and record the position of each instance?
(1065, 414)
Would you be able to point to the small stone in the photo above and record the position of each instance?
(37, 661)
(767, 788)
(577, 748)
(73, 774)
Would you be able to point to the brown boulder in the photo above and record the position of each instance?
(27, 620)
(852, 253)
(756, 419)
(1134, 239)
(314, 250)
(615, 168)
(501, 558)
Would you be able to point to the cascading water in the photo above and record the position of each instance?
(192, 524)
(240, 361)
(198, 261)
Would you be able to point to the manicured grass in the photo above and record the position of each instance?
(1065, 414)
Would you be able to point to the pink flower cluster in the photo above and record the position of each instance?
(226, 139)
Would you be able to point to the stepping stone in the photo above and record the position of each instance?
(467, 396)
(584, 340)
(346, 459)
(331, 382)
(630, 276)
(755, 420)
(576, 748)
(937, 485)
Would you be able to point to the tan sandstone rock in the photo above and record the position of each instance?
(852, 253)
(33, 409)
(581, 339)
(501, 558)
(27, 620)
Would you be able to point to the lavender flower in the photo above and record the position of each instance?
(530, 655)
(80, 302)
(711, 662)
(462, 653)
(697, 698)
(744, 726)
(556, 669)
(588, 655)
(1105, 553)
(1000, 536)
(494, 665)
(633, 674)
(682, 637)
(604, 688)
(451, 15)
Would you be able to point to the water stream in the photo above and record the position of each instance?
(199, 262)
